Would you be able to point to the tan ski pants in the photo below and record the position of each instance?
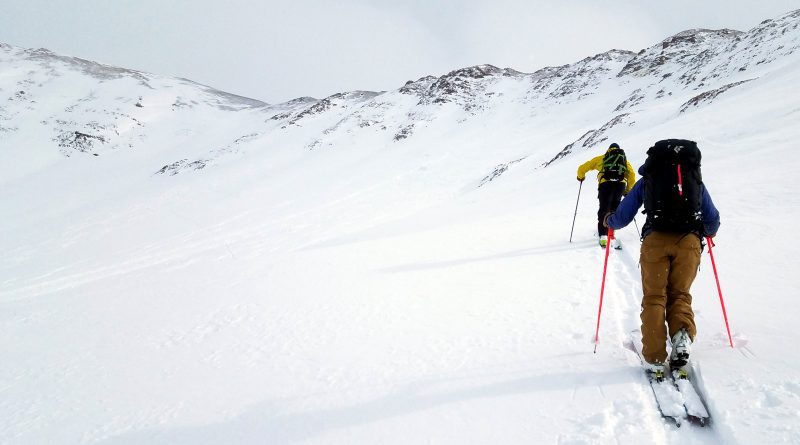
(669, 263)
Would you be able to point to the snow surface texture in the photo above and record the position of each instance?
(181, 265)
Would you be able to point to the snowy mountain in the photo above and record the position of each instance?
(183, 265)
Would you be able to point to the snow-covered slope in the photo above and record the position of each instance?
(186, 266)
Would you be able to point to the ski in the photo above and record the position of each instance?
(695, 406)
(669, 398)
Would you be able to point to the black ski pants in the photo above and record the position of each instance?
(609, 194)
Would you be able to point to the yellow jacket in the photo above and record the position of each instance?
(597, 164)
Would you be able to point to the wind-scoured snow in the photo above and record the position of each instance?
(181, 265)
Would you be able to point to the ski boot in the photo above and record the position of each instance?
(603, 241)
(681, 347)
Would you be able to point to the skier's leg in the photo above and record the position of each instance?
(603, 197)
(614, 198)
(616, 195)
(682, 273)
(609, 194)
(655, 269)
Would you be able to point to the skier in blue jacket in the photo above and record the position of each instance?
(669, 262)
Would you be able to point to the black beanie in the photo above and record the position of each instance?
(614, 145)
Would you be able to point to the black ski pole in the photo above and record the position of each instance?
(576, 210)
(637, 228)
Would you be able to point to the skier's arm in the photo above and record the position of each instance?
(630, 178)
(627, 209)
(710, 214)
(591, 164)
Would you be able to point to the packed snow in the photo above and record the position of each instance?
(185, 266)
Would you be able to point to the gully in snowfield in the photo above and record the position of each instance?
(615, 176)
(680, 213)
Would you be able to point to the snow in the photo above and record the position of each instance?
(320, 282)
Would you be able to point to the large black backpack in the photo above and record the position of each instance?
(673, 187)
(615, 165)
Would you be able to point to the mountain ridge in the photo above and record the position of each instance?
(698, 65)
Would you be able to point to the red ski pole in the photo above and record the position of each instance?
(602, 288)
(719, 289)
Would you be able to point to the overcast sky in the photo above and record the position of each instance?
(278, 50)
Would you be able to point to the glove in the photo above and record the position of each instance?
(605, 219)
(581, 179)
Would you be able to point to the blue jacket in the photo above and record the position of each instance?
(630, 205)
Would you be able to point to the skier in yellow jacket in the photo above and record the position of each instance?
(615, 176)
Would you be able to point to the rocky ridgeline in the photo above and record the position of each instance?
(682, 64)
(101, 108)
(300, 109)
(465, 86)
(680, 55)
(581, 79)
(87, 108)
(697, 65)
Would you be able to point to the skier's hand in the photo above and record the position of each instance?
(580, 179)
(605, 219)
